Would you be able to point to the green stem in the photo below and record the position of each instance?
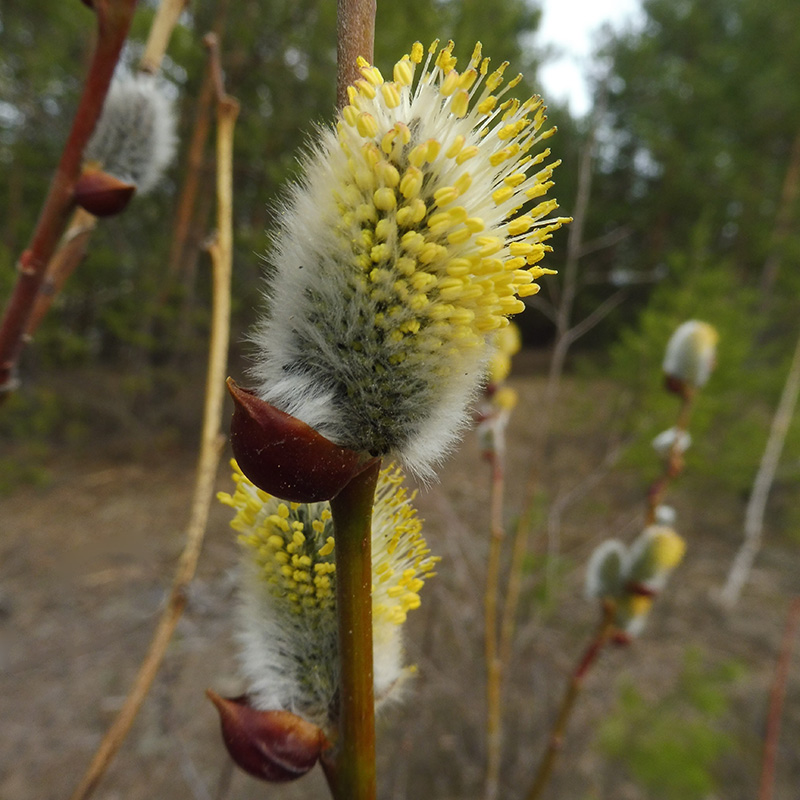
(352, 521)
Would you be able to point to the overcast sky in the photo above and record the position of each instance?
(569, 25)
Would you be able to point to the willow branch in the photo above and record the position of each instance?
(64, 262)
(494, 667)
(354, 760)
(573, 689)
(355, 36)
(113, 22)
(211, 446)
(674, 460)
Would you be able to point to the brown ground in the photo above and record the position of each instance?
(85, 561)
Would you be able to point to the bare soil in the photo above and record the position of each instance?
(85, 563)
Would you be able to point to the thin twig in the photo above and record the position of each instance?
(757, 504)
(599, 640)
(64, 262)
(164, 22)
(355, 29)
(494, 667)
(113, 22)
(211, 446)
(777, 695)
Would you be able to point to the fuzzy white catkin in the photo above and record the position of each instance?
(665, 440)
(287, 626)
(135, 137)
(400, 254)
(691, 353)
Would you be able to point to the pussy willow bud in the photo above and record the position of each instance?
(135, 136)
(418, 227)
(664, 442)
(691, 355)
(630, 577)
(287, 627)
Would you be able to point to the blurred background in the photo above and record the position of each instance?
(679, 133)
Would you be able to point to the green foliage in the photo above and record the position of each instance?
(672, 747)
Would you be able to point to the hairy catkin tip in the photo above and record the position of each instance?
(135, 137)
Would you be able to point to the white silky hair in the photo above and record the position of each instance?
(290, 661)
(690, 352)
(597, 583)
(135, 137)
(303, 361)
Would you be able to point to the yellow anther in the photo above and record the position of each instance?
(459, 105)
(460, 236)
(432, 252)
(381, 252)
(422, 281)
(366, 89)
(475, 224)
(458, 267)
(467, 153)
(476, 55)
(487, 105)
(418, 155)
(445, 195)
(463, 183)
(384, 199)
(365, 212)
(520, 248)
(403, 131)
(449, 84)
(434, 46)
(366, 125)
(411, 183)
(412, 242)
(455, 147)
(514, 180)
(391, 94)
(496, 78)
(417, 51)
(387, 173)
(403, 72)
(501, 195)
(519, 225)
(468, 78)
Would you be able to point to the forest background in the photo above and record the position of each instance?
(684, 178)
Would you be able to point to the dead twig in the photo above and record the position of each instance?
(210, 451)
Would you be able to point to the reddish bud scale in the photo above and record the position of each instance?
(285, 457)
(102, 194)
(275, 746)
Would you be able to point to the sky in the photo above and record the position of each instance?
(569, 25)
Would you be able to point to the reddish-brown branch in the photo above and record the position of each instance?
(777, 695)
(355, 37)
(674, 461)
(113, 22)
(574, 687)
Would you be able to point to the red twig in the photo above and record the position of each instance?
(777, 695)
(113, 22)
